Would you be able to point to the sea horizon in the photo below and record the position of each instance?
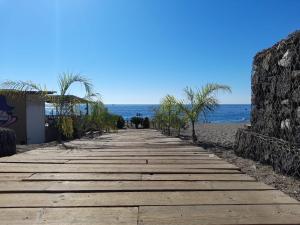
(224, 113)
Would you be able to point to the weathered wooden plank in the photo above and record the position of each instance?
(220, 177)
(111, 161)
(185, 149)
(137, 166)
(27, 160)
(14, 176)
(71, 157)
(228, 214)
(83, 176)
(140, 161)
(185, 161)
(84, 186)
(79, 168)
(99, 153)
(68, 216)
(143, 198)
(132, 176)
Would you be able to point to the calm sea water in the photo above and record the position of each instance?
(223, 114)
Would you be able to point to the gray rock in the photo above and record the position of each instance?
(285, 124)
(265, 63)
(286, 59)
(285, 102)
(296, 74)
(298, 112)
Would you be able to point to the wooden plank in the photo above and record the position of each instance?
(46, 168)
(139, 161)
(228, 214)
(83, 176)
(14, 176)
(185, 161)
(84, 186)
(138, 166)
(112, 161)
(125, 166)
(132, 176)
(204, 177)
(27, 160)
(143, 198)
(186, 149)
(84, 154)
(67, 216)
(4, 167)
(70, 157)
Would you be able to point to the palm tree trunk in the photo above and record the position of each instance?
(194, 136)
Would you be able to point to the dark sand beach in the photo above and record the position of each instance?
(215, 134)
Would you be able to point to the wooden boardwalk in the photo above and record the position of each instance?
(135, 177)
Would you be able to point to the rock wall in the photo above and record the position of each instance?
(274, 135)
(275, 152)
(276, 90)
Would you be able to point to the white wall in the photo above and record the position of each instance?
(35, 118)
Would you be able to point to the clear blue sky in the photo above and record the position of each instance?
(136, 51)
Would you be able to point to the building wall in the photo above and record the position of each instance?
(276, 90)
(35, 116)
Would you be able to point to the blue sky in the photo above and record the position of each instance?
(136, 51)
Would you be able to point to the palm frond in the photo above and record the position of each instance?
(65, 80)
(19, 87)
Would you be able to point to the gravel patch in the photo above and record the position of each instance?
(219, 139)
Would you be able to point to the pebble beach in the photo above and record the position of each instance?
(215, 134)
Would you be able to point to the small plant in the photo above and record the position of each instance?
(136, 120)
(120, 122)
(146, 123)
(200, 101)
(66, 126)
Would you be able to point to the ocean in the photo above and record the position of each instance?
(225, 113)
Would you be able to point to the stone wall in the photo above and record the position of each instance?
(278, 153)
(276, 90)
(274, 135)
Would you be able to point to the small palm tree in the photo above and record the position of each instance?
(200, 101)
(65, 81)
(168, 108)
(60, 101)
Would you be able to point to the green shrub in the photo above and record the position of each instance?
(80, 125)
(136, 120)
(7, 142)
(120, 122)
(146, 123)
(66, 126)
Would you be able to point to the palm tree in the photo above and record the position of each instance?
(200, 101)
(168, 107)
(60, 101)
(65, 81)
